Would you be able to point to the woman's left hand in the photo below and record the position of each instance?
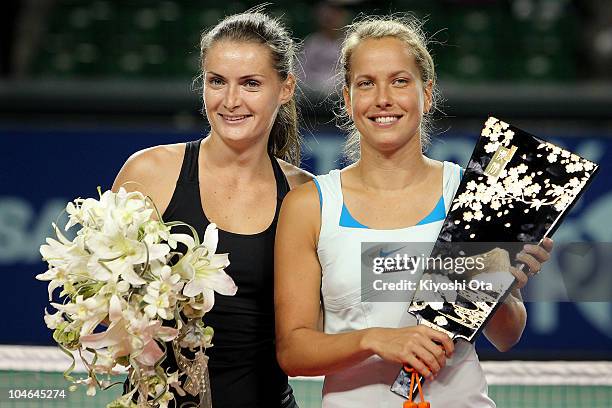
(533, 256)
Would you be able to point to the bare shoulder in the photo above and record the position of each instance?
(304, 196)
(301, 211)
(153, 171)
(302, 206)
(295, 175)
(150, 165)
(157, 155)
(435, 165)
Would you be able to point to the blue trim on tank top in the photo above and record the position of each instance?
(347, 220)
(319, 191)
(437, 214)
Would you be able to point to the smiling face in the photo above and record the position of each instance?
(386, 97)
(242, 91)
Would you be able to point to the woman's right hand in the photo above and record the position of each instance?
(420, 347)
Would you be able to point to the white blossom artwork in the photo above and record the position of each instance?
(519, 183)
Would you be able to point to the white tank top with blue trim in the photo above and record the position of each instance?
(461, 384)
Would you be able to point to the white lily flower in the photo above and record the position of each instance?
(131, 213)
(184, 239)
(158, 302)
(125, 253)
(92, 212)
(111, 288)
(169, 281)
(156, 231)
(117, 267)
(63, 253)
(90, 312)
(162, 293)
(57, 279)
(53, 320)
(74, 215)
(98, 270)
(205, 270)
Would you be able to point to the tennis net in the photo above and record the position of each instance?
(512, 384)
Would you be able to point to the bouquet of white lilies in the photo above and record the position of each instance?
(122, 273)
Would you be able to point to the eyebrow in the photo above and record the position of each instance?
(242, 77)
(403, 71)
(395, 73)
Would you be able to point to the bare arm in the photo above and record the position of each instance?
(302, 349)
(506, 326)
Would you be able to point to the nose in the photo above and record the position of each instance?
(231, 99)
(383, 98)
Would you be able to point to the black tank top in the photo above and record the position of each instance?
(243, 368)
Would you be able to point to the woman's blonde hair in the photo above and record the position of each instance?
(405, 28)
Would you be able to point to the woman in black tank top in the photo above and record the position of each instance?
(243, 367)
(247, 68)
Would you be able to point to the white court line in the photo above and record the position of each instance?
(52, 359)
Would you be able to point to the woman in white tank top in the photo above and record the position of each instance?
(392, 193)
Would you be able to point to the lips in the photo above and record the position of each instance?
(385, 119)
(234, 118)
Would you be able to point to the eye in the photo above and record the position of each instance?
(366, 83)
(401, 81)
(251, 83)
(215, 81)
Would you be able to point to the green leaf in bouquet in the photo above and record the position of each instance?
(88, 289)
(70, 369)
(66, 337)
(68, 290)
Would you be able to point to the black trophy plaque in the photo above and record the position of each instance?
(516, 189)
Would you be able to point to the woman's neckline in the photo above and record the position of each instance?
(267, 230)
(444, 181)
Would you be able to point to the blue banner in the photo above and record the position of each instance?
(42, 169)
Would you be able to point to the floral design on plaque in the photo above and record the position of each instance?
(517, 175)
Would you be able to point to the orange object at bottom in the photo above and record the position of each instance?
(410, 404)
(414, 377)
